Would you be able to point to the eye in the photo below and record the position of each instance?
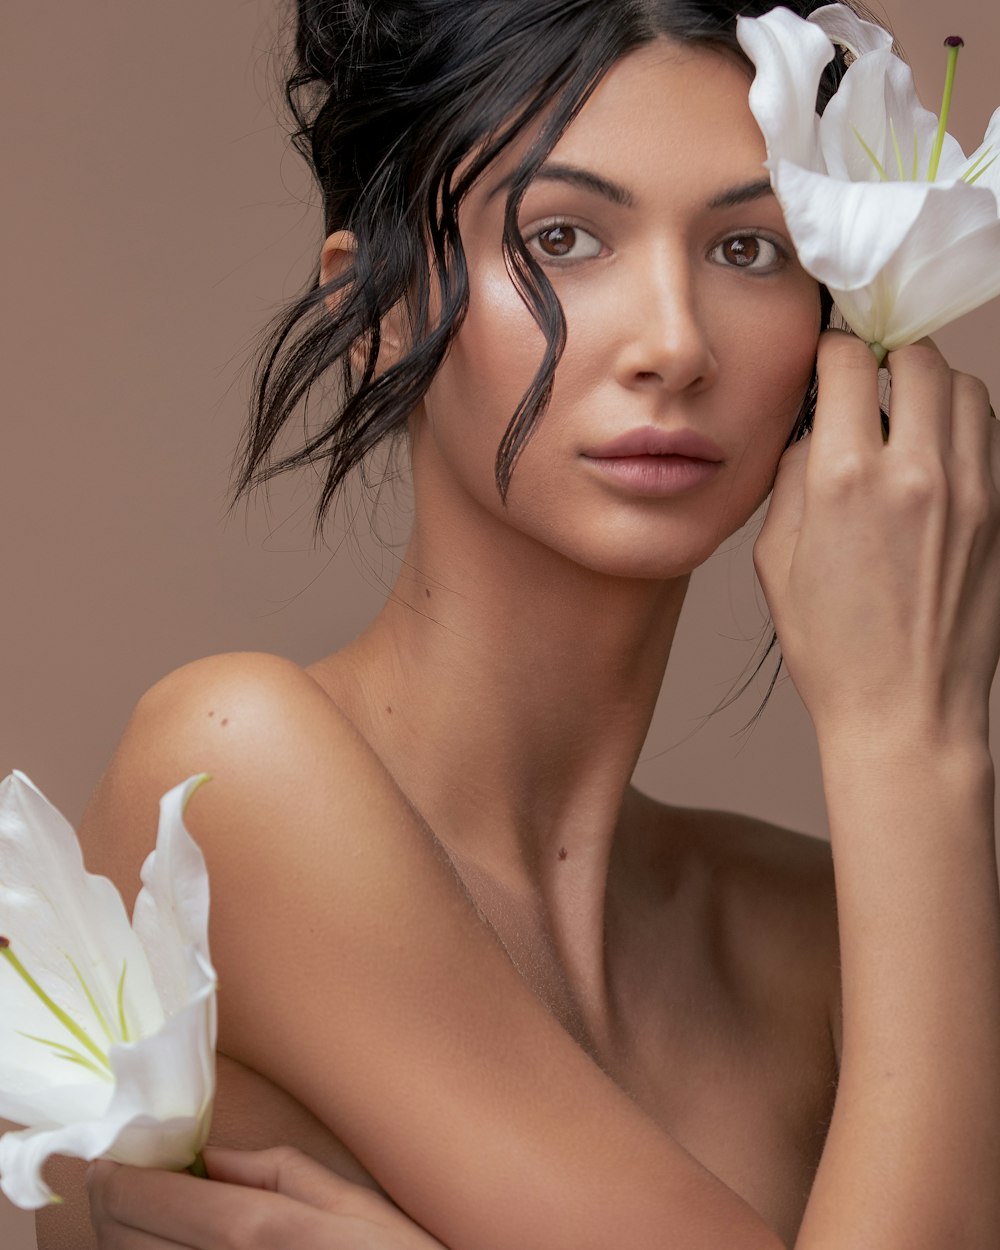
(561, 241)
(750, 251)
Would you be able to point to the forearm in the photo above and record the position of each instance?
(913, 1153)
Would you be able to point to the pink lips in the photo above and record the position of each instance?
(657, 463)
(649, 440)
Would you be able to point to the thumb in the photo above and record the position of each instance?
(282, 1170)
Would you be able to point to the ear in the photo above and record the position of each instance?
(338, 255)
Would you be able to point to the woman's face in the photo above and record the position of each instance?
(685, 308)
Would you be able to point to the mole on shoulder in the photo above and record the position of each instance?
(562, 852)
(210, 715)
(427, 592)
(388, 709)
(225, 720)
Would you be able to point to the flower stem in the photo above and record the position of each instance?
(880, 351)
(954, 44)
(197, 1168)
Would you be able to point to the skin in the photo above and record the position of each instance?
(533, 1006)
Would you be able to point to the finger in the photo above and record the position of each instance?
(284, 1170)
(920, 400)
(848, 416)
(111, 1234)
(974, 433)
(189, 1211)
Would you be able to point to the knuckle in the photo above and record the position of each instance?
(845, 351)
(284, 1157)
(924, 356)
(919, 482)
(257, 1227)
(844, 475)
(974, 390)
(979, 505)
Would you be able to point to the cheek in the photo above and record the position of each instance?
(774, 358)
(488, 369)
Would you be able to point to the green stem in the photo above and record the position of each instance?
(880, 351)
(197, 1168)
(954, 45)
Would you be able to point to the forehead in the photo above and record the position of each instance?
(676, 104)
(666, 113)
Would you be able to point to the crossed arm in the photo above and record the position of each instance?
(881, 566)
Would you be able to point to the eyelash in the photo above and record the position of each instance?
(782, 256)
(781, 252)
(560, 223)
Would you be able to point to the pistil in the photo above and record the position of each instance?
(954, 44)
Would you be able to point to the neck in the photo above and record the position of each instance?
(510, 691)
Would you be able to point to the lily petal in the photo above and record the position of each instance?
(171, 912)
(954, 251)
(23, 1154)
(790, 56)
(846, 232)
(842, 26)
(985, 154)
(877, 107)
(103, 1051)
(158, 1113)
(71, 926)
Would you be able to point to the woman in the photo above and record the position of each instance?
(462, 960)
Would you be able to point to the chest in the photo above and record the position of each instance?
(731, 1058)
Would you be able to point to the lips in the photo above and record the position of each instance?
(650, 440)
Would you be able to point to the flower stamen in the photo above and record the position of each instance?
(105, 1028)
(954, 44)
(65, 1020)
(974, 172)
(899, 152)
(69, 1054)
(871, 155)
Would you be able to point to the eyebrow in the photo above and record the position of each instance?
(745, 194)
(587, 180)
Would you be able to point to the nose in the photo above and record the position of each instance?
(662, 338)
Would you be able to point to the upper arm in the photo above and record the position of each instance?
(355, 973)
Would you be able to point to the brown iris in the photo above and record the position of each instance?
(557, 240)
(743, 252)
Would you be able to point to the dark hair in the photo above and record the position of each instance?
(390, 99)
(400, 106)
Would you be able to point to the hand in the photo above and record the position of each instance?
(265, 1200)
(880, 561)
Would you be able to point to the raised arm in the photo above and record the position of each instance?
(895, 667)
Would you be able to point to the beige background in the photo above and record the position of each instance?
(152, 222)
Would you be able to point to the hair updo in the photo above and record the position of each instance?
(399, 107)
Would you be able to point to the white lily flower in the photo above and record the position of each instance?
(882, 204)
(107, 1029)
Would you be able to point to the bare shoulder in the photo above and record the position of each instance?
(255, 723)
(772, 898)
(753, 856)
